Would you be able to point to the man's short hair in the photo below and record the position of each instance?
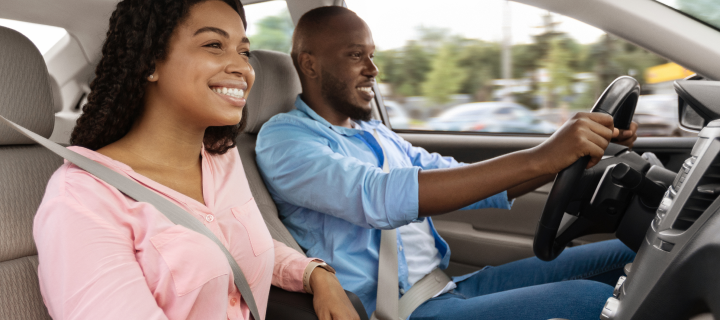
(311, 24)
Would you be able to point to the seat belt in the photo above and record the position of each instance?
(140, 193)
(387, 306)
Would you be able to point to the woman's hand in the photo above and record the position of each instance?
(330, 300)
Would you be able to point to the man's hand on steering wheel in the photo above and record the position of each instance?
(585, 134)
(626, 137)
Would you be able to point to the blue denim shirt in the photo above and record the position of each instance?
(334, 198)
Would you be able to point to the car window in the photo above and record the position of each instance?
(703, 10)
(437, 60)
(269, 26)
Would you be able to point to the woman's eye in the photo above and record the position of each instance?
(215, 45)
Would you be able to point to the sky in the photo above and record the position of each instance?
(475, 19)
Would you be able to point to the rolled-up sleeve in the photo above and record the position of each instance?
(426, 160)
(300, 168)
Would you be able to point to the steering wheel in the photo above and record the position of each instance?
(618, 100)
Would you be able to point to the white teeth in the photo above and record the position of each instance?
(232, 92)
(365, 89)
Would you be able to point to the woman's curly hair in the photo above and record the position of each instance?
(139, 35)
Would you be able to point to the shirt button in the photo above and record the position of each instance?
(209, 218)
(402, 291)
(233, 301)
(400, 248)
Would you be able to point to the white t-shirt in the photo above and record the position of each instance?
(421, 255)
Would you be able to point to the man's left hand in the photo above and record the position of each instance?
(626, 137)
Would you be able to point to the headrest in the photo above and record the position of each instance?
(25, 94)
(275, 89)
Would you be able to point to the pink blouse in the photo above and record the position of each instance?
(106, 256)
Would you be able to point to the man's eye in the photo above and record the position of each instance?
(215, 45)
(355, 54)
(245, 53)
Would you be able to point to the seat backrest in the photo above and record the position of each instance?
(275, 89)
(25, 98)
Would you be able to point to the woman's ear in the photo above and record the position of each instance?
(308, 65)
(153, 77)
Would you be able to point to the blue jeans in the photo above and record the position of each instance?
(531, 289)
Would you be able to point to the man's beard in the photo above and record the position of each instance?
(338, 94)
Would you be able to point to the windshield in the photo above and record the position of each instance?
(703, 10)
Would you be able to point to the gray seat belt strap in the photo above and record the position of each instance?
(140, 193)
(387, 306)
(387, 289)
(421, 291)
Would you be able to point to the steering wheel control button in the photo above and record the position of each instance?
(687, 165)
(618, 286)
(664, 207)
(610, 309)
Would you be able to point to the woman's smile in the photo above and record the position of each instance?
(236, 97)
(233, 91)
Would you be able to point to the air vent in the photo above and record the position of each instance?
(706, 191)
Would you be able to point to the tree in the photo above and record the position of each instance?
(404, 69)
(557, 64)
(274, 33)
(445, 78)
(480, 62)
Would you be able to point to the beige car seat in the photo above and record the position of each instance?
(275, 89)
(25, 167)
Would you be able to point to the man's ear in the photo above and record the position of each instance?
(308, 65)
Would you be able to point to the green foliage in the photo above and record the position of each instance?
(480, 61)
(446, 76)
(274, 33)
(557, 64)
(405, 69)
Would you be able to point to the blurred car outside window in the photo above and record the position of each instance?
(505, 67)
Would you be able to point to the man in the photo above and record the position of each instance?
(322, 164)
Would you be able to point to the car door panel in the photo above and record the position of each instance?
(484, 237)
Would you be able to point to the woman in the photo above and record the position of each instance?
(165, 108)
